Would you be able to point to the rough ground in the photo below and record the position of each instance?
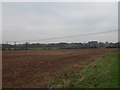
(37, 68)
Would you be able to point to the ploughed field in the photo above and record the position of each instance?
(38, 68)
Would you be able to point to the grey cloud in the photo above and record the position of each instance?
(45, 20)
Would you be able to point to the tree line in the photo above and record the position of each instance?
(61, 45)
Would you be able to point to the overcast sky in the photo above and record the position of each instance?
(37, 21)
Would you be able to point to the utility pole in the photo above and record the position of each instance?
(15, 45)
(26, 45)
(7, 45)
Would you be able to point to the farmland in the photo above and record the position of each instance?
(38, 68)
(101, 73)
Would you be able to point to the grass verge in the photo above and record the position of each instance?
(101, 73)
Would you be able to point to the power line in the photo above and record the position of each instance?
(71, 36)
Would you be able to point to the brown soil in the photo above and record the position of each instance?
(38, 68)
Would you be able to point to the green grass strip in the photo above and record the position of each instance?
(101, 73)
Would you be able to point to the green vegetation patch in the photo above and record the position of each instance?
(101, 73)
(44, 48)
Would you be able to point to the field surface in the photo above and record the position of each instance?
(38, 68)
